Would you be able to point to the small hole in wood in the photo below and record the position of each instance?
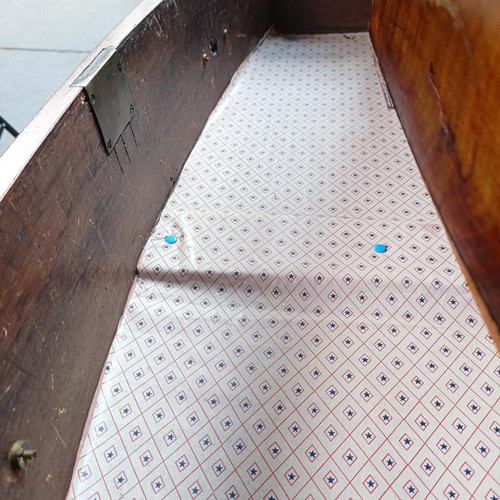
(213, 46)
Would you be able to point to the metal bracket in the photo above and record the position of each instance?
(108, 94)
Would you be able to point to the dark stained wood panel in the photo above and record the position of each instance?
(321, 16)
(441, 60)
(74, 223)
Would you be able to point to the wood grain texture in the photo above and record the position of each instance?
(75, 221)
(441, 60)
(321, 16)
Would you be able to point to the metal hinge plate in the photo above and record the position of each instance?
(108, 94)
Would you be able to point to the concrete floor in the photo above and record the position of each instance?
(41, 43)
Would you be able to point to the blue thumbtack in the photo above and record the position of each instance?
(292, 38)
(170, 239)
(380, 248)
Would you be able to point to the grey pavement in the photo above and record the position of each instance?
(41, 43)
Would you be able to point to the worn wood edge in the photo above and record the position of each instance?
(478, 293)
(20, 151)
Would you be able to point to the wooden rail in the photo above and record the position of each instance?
(321, 16)
(75, 220)
(441, 60)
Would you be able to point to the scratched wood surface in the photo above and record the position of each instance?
(75, 221)
(321, 16)
(441, 60)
